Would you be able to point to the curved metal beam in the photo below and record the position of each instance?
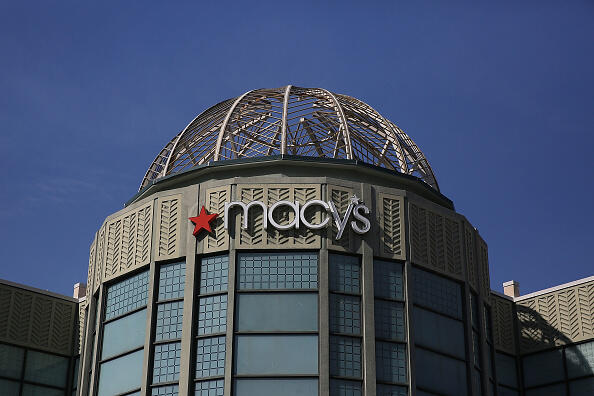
(224, 126)
(283, 149)
(343, 122)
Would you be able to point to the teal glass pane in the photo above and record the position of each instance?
(212, 314)
(214, 274)
(167, 390)
(345, 356)
(172, 281)
(124, 334)
(440, 374)
(126, 295)
(551, 390)
(210, 357)
(46, 369)
(340, 387)
(121, 375)
(440, 294)
(275, 386)
(168, 325)
(389, 320)
(287, 270)
(277, 312)
(9, 388)
(580, 360)
(345, 314)
(344, 273)
(75, 365)
(506, 370)
(582, 387)
(166, 362)
(439, 332)
(11, 361)
(388, 280)
(209, 388)
(391, 390)
(488, 324)
(476, 383)
(503, 391)
(543, 368)
(476, 349)
(276, 354)
(390, 362)
(35, 390)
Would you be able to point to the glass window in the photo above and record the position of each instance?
(488, 324)
(552, 390)
(209, 388)
(9, 388)
(75, 365)
(277, 312)
(582, 387)
(390, 362)
(452, 373)
(172, 281)
(276, 386)
(210, 357)
(168, 325)
(474, 311)
(391, 390)
(127, 295)
(34, 390)
(345, 356)
(437, 293)
(476, 349)
(339, 387)
(285, 270)
(389, 320)
(439, 332)
(212, 314)
(344, 273)
(543, 368)
(214, 274)
(506, 370)
(269, 354)
(476, 382)
(46, 369)
(124, 334)
(388, 280)
(11, 361)
(580, 360)
(345, 314)
(166, 362)
(502, 391)
(167, 390)
(121, 375)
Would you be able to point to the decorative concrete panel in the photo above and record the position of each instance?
(503, 324)
(255, 237)
(169, 227)
(341, 197)
(128, 242)
(471, 256)
(218, 239)
(99, 260)
(557, 318)
(390, 217)
(483, 268)
(80, 327)
(36, 321)
(435, 240)
(91, 269)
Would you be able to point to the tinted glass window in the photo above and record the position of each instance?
(210, 388)
(9, 388)
(277, 312)
(542, 368)
(437, 293)
(345, 314)
(552, 390)
(121, 375)
(276, 386)
(34, 390)
(452, 373)
(506, 370)
(277, 271)
(166, 362)
(11, 361)
(340, 387)
(389, 320)
(344, 273)
(580, 360)
(124, 334)
(390, 361)
(126, 295)
(172, 280)
(439, 332)
(388, 280)
(210, 357)
(46, 369)
(345, 356)
(214, 274)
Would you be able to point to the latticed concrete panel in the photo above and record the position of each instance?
(79, 326)
(435, 240)
(218, 239)
(91, 269)
(471, 256)
(128, 241)
(341, 197)
(290, 120)
(100, 258)
(390, 217)
(585, 302)
(503, 324)
(483, 266)
(255, 236)
(168, 225)
(36, 321)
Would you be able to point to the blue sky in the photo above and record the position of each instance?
(499, 96)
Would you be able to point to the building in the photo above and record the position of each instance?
(289, 242)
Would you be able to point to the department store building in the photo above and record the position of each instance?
(293, 241)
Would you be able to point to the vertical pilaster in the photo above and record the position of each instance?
(367, 294)
(98, 340)
(148, 338)
(228, 385)
(324, 325)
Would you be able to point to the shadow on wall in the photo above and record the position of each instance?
(538, 337)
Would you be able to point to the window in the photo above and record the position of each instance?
(121, 375)
(452, 373)
(543, 368)
(168, 328)
(211, 325)
(276, 324)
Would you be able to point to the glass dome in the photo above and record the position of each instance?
(295, 121)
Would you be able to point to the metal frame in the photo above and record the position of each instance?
(296, 121)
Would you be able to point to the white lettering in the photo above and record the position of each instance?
(292, 224)
(307, 223)
(358, 216)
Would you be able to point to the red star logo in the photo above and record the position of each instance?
(203, 221)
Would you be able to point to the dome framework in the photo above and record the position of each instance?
(295, 121)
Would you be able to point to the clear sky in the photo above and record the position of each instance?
(499, 95)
